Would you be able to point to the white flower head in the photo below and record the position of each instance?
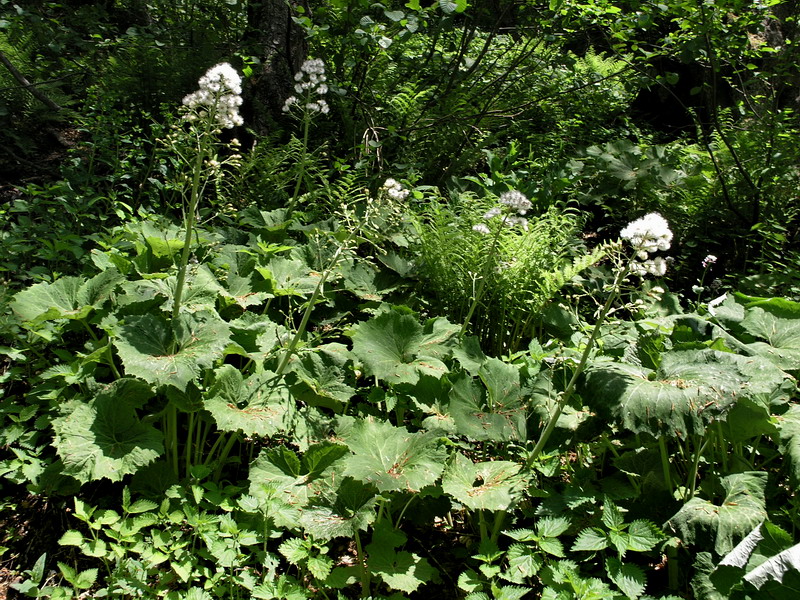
(309, 83)
(481, 228)
(649, 234)
(393, 188)
(220, 94)
(516, 200)
(513, 205)
(709, 260)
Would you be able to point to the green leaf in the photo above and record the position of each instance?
(321, 381)
(779, 326)
(162, 353)
(494, 485)
(590, 540)
(401, 570)
(493, 408)
(259, 405)
(775, 568)
(340, 512)
(397, 349)
(789, 423)
(690, 389)
(629, 579)
(71, 538)
(701, 523)
(523, 562)
(104, 438)
(391, 458)
(65, 298)
(295, 550)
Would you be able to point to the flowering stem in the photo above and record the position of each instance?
(187, 240)
(482, 283)
(567, 393)
(302, 174)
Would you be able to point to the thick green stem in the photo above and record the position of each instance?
(691, 482)
(567, 394)
(362, 562)
(482, 283)
(303, 159)
(665, 469)
(307, 314)
(187, 240)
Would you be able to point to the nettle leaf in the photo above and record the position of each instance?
(492, 408)
(164, 353)
(494, 485)
(523, 562)
(391, 458)
(790, 440)
(396, 348)
(689, 389)
(340, 511)
(259, 405)
(400, 570)
(702, 523)
(65, 298)
(105, 438)
(630, 579)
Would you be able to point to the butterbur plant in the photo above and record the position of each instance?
(646, 236)
(213, 107)
(310, 88)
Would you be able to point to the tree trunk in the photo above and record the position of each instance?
(274, 37)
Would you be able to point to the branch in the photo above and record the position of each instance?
(37, 93)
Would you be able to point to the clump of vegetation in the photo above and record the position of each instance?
(412, 306)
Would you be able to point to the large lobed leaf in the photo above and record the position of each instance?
(493, 485)
(396, 348)
(702, 523)
(689, 389)
(65, 298)
(104, 438)
(164, 353)
(259, 405)
(391, 458)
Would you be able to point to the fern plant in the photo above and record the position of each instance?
(531, 267)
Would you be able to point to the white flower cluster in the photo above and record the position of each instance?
(394, 190)
(708, 261)
(220, 94)
(515, 204)
(310, 81)
(647, 235)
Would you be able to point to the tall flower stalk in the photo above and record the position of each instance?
(309, 86)
(646, 236)
(213, 107)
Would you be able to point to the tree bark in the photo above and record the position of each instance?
(273, 36)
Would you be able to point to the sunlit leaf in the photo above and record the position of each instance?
(700, 522)
(493, 485)
(105, 438)
(391, 458)
(165, 353)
